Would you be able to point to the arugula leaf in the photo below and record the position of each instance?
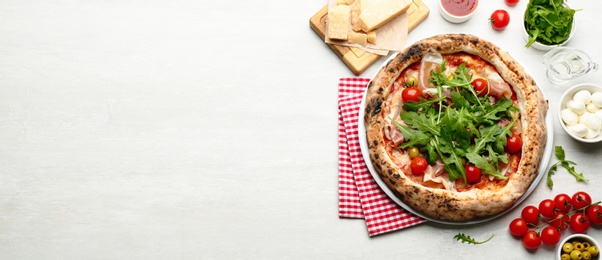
(548, 22)
(466, 238)
(559, 152)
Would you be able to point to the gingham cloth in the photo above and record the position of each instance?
(359, 194)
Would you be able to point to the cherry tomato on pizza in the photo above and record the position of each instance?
(411, 94)
(418, 165)
(499, 19)
(481, 87)
(514, 143)
(473, 173)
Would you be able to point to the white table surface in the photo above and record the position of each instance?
(195, 129)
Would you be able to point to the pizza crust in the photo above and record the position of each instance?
(475, 203)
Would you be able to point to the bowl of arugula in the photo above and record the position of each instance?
(548, 24)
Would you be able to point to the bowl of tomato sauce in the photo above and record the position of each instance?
(457, 11)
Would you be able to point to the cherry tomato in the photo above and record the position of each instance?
(411, 94)
(499, 19)
(531, 240)
(579, 222)
(480, 87)
(418, 165)
(581, 199)
(514, 143)
(512, 2)
(594, 213)
(473, 173)
(518, 227)
(546, 208)
(550, 235)
(563, 202)
(530, 214)
(560, 221)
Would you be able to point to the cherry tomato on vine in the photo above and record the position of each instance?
(594, 213)
(546, 208)
(580, 200)
(418, 165)
(560, 221)
(411, 94)
(518, 227)
(563, 202)
(531, 240)
(530, 214)
(473, 173)
(579, 222)
(514, 143)
(499, 19)
(481, 87)
(512, 2)
(550, 236)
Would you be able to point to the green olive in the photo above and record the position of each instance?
(565, 256)
(578, 246)
(586, 245)
(411, 81)
(586, 255)
(593, 250)
(567, 247)
(413, 152)
(576, 255)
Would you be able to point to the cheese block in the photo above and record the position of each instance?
(338, 22)
(378, 12)
(344, 2)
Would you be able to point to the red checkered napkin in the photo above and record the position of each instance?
(359, 194)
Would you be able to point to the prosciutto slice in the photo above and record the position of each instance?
(497, 86)
(430, 61)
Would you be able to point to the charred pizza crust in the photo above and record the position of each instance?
(475, 203)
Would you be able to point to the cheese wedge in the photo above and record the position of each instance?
(344, 2)
(375, 13)
(339, 22)
(359, 38)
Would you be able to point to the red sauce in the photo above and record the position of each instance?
(459, 7)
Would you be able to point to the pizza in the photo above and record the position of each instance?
(455, 127)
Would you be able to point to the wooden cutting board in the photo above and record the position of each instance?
(357, 59)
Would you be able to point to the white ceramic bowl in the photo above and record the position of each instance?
(578, 237)
(541, 46)
(454, 18)
(568, 96)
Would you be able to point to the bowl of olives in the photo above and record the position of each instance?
(578, 246)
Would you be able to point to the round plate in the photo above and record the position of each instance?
(545, 159)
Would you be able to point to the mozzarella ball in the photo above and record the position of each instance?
(583, 95)
(591, 108)
(592, 122)
(579, 130)
(569, 117)
(583, 118)
(599, 113)
(597, 99)
(577, 106)
(591, 133)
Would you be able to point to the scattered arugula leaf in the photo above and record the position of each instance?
(466, 238)
(559, 151)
